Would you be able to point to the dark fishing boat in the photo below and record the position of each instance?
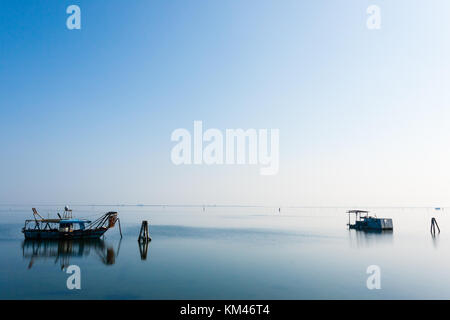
(67, 227)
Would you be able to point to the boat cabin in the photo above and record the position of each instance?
(61, 225)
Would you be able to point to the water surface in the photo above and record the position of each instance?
(230, 253)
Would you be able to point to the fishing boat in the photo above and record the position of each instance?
(67, 227)
(365, 222)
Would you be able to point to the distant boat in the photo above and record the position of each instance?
(365, 222)
(67, 227)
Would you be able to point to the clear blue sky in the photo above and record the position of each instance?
(86, 115)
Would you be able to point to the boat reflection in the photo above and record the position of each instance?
(143, 249)
(369, 238)
(63, 250)
(435, 240)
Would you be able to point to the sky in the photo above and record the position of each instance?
(86, 116)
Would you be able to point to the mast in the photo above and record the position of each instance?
(67, 213)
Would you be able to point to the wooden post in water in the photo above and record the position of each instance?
(433, 226)
(143, 234)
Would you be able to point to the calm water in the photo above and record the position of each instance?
(230, 253)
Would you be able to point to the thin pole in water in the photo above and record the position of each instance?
(120, 228)
(434, 224)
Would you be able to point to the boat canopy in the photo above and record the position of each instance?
(63, 221)
(357, 211)
(359, 214)
(60, 221)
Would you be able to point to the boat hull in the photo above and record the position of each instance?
(371, 223)
(55, 234)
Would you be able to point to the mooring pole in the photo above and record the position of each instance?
(120, 228)
(143, 234)
(434, 224)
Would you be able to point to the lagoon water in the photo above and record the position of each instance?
(230, 253)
